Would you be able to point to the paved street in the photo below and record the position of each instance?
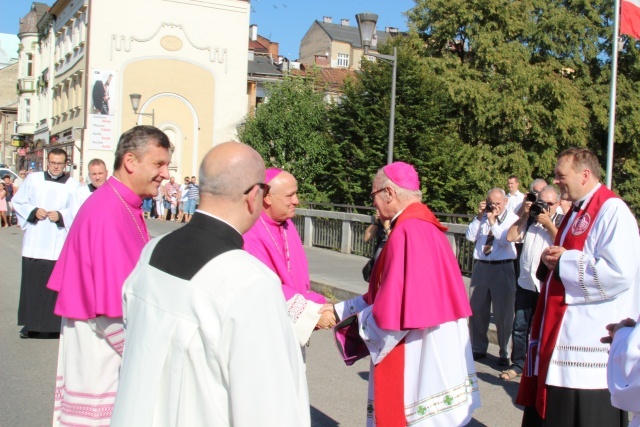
(337, 392)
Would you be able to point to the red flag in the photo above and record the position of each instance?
(630, 18)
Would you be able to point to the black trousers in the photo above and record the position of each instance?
(37, 302)
(568, 407)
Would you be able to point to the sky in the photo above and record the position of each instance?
(281, 21)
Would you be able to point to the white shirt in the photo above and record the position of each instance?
(536, 240)
(514, 201)
(183, 193)
(502, 249)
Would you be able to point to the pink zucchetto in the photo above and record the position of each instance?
(403, 175)
(271, 173)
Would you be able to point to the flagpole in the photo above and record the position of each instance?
(612, 94)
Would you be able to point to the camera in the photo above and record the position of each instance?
(489, 207)
(538, 207)
(531, 197)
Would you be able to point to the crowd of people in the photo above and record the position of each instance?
(8, 188)
(154, 336)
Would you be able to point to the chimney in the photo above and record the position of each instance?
(392, 30)
(253, 32)
(327, 20)
(344, 22)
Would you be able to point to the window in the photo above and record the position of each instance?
(29, 65)
(343, 60)
(27, 110)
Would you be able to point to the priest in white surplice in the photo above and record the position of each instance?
(43, 206)
(208, 338)
(593, 275)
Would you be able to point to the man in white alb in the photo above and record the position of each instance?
(593, 274)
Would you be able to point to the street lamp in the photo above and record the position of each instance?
(367, 27)
(135, 103)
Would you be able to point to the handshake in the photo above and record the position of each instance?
(327, 317)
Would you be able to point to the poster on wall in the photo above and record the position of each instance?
(102, 110)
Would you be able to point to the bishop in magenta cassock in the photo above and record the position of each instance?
(103, 247)
(275, 241)
(413, 319)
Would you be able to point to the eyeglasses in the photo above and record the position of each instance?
(373, 195)
(57, 163)
(264, 187)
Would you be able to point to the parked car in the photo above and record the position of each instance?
(6, 171)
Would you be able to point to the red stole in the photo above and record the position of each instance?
(533, 389)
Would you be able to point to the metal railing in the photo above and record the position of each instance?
(344, 232)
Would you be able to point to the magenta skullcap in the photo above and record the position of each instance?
(403, 175)
(271, 173)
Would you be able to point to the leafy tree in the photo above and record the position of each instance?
(289, 130)
(531, 78)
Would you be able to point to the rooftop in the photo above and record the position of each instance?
(348, 34)
(28, 24)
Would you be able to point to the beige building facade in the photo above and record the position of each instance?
(337, 45)
(187, 59)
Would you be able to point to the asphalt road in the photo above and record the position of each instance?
(338, 393)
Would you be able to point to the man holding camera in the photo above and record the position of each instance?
(536, 228)
(493, 278)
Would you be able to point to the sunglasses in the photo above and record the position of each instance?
(264, 187)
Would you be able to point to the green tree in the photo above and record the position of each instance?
(290, 131)
(531, 78)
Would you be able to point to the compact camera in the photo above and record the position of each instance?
(489, 207)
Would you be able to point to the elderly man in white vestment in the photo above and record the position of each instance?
(593, 275)
(208, 338)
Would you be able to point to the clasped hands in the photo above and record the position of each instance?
(42, 214)
(551, 255)
(327, 318)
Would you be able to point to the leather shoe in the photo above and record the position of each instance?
(504, 361)
(478, 356)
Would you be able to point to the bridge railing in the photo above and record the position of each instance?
(344, 231)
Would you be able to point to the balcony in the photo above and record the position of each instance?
(23, 128)
(26, 84)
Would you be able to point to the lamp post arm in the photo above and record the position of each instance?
(151, 114)
(390, 58)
